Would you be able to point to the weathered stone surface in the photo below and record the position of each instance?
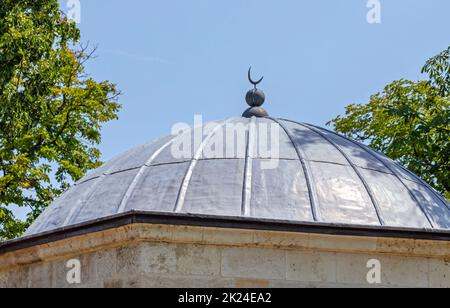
(400, 246)
(345, 243)
(41, 275)
(129, 259)
(311, 266)
(4, 277)
(396, 271)
(352, 268)
(158, 259)
(281, 239)
(158, 233)
(114, 283)
(196, 257)
(105, 264)
(252, 283)
(175, 281)
(230, 237)
(405, 272)
(18, 278)
(186, 234)
(254, 263)
(198, 260)
(60, 274)
(439, 273)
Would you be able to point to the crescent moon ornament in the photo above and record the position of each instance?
(255, 83)
(255, 99)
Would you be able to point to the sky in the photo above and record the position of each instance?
(173, 59)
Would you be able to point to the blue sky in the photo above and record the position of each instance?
(176, 58)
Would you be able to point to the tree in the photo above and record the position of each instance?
(410, 122)
(51, 111)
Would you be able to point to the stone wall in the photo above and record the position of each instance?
(176, 256)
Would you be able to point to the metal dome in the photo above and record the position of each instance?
(320, 177)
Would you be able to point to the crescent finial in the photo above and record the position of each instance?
(255, 83)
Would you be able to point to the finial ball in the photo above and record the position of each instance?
(255, 98)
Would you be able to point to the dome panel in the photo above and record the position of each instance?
(142, 155)
(356, 154)
(289, 190)
(312, 146)
(436, 210)
(108, 166)
(59, 212)
(107, 197)
(215, 188)
(395, 168)
(134, 158)
(389, 191)
(342, 196)
(158, 188)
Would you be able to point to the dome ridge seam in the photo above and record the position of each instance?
(248, 168)
(313, 199)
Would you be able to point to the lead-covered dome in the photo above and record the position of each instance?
(314, 176)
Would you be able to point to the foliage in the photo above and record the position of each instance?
(410, 122)
(51, 111)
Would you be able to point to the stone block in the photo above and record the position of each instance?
(147, 280)
(311, 266)
(342, 243)
(105, 264)
(161, 233)
(399, 271)
(231, 237)
(399, 246)
(253, 263)
(129, 259)
(41, 275)
(186, 234)
(285, 240)
(158, 258)
(18, 277)
(4, 277)
(439, 273)
(198, 260)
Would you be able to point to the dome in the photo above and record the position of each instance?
(314, 176)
